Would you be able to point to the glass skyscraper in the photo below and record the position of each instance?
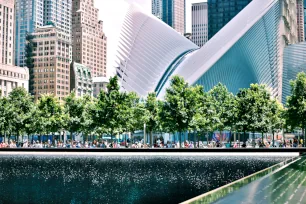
(28, 15)
(220, 12)
(32, 14)
(157, 8)
(199, 23)
(294, 62)
(171, 12)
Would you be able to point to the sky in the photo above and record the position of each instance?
(112, 13)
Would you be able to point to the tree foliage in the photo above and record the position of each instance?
(296, 103)
(184, 109)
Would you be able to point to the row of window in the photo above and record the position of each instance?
(12, 74)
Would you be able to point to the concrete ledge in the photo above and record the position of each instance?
(211, 150)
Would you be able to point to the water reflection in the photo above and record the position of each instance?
(113, 179)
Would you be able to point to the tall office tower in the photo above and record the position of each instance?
(300, 20)
(173, 13)
(28, 15)
(220, 12)
(199, 23)
(89, 40)
(58, 13)
(32, 14)
(7, 32)
(157, 8)
(51, 70)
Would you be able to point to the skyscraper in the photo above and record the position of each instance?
(58, 13)
(171, 12)
(10, 76)
(89, 40)
(7, 32)
(52, 48)
(28, 15)
(220, 12)
(300, 20)
(157, 8)
(294, 62)
(199, 23)
(31, 14)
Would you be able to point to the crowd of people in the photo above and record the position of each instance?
(294, 143)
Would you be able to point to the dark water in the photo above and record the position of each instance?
(114, 179)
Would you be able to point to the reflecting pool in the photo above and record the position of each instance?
(94, 178)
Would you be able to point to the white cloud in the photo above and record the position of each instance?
(112, 13)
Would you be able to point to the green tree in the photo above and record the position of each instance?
(205, 118)
(296, 104)
(179, 105)
(51, 114)
(32, 122)
(21, 104)
(74, 108)
(109, 107)
(88, 126)
(253, 109)
(276, 117)
(152, 112)
(5, 117)
(136, 115)
(224, 105)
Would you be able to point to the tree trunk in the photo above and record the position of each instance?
(52, 141)
(195, 138)
(180, 140)
(151, 138)
(230, 138)
(253, 142)
(262, 138)
(303, 132)
(207, 137)
(272, 138)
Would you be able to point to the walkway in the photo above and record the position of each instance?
(287, 186)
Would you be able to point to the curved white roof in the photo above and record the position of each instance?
(146, 49)
(247, 50)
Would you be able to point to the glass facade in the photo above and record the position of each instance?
(157, 8)
(172, 13)
(249, 60)
(220, 12)
(294, 62)
(167, 12)
(32, 14)
(28, 15)
(199, 23)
